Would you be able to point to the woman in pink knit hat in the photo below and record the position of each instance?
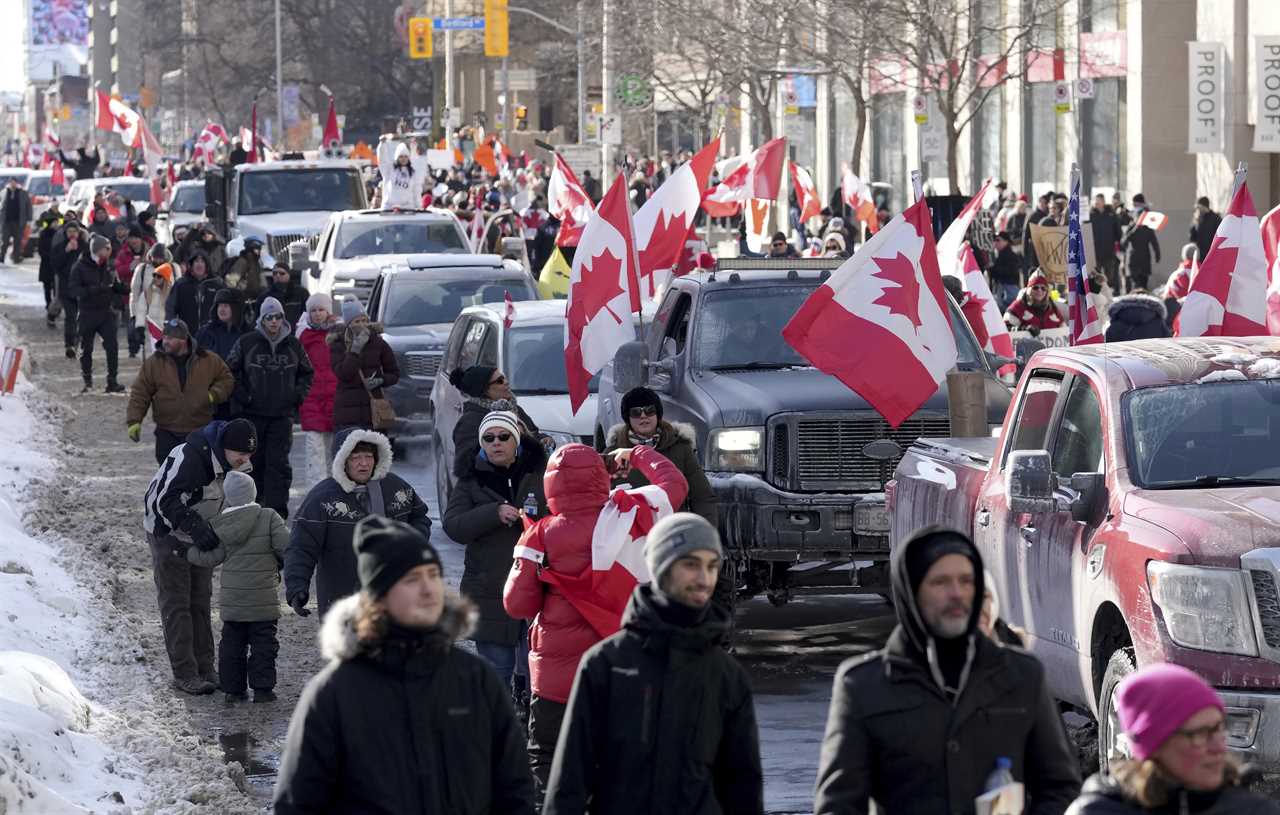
(1175, 724)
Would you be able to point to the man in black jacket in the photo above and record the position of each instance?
(184, 493)
(361, 484)
(661, 719)
(15, 214)
(1006, 271)
(401, 720)
(1204, 225)
(69, 246)
(50, 223)
(273, 374)
(192, 297)
(917, 726)
(1141, 246)
(96, 288)
(1106, 236)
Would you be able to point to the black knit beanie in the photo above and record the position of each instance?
(929, 550)
(386, 550)
(474, 381)
(239, 435)
(640, 397)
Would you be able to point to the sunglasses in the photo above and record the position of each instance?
(1039, 288)
(490, 438)
(273, 317)
(500, 380)
(638, 412)
(779, 245)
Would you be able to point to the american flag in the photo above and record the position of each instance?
(1086, 328)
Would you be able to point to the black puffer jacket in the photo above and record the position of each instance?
(413, 725)
(1105, 796)
(893, 737)
(661, 719)
(1136, 317)
(272, 378)
(191, 300)
(472, 520)
(95, 286)
(326, 521)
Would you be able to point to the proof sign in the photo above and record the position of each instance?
(1207, 115)
(1266, 133)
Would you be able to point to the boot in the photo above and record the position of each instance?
(88, 386)
(263, 695)
(71, 352)
(193, 685)
(234, 698)
(115, 387)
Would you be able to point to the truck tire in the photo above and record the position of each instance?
(1110, 746)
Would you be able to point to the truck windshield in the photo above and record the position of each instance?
(188, 199)
(427, 302)
(316, 189)
(139, 192)
(535, 361)
(42, 185)
(404, 237)
(742, 329)
(1204, 434)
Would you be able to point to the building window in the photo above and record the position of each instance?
(888, 158)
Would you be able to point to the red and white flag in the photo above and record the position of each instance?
(1228, 296)
(57, 178)
(880, 324)
(757, 175)
(1153, 219)
(995, 335)
(856, 195)
(664, 222)
(509, 312)
(477, 228)
(1270, 230)
(118, 117)
(604, 290)
(331, 140)
(206, 148)
(806, 192)
(568, 202)
(951, 246)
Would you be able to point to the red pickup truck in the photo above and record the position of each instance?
(1129, 513)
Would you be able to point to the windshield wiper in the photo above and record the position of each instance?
(757, 366)
(1223, 481)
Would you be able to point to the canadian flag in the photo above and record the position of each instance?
(1228, 296)
(118, 117)
(509, 312)
(568, 202)
(951, 245)
(664, 221)
(57, 178)
(995, 334)
(856, 194)
(331, 140)
(207, 144)
(477, 228)
(757, 175)
(604, 290)
(880, 324)
(806, 192)
(1270, 230)
(1153, 219)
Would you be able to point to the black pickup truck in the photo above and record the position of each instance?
(797, 460)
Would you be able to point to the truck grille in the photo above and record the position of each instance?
(1268, 602)
(279, 244)
(827, 450)
(422, 364)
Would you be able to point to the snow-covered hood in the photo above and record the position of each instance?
(552, 414)
(365, 267)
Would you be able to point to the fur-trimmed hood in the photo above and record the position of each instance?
(668, 432)
(338, 640)
(338, 332)
(1139, 303)
(346, 443)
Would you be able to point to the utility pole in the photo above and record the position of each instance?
(582, 85)
(606, 60)
(448, 75)
(506, 99)
(279, 80)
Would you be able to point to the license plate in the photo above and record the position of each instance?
(871, 519)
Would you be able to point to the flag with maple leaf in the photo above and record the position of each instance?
(856, 194)
(806, 192)
(509, 310)
(206, 148)
(980, 308)
(756, 175)
(881, 323)
(664, 222)
(951, 242)
(1228, 296)
(568, 203)
(1270, 229)
(604, 290)
(1082, 311)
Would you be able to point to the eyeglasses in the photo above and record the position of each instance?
(646, 410)
(272, 317)
(1200, 736)
(499, 380)
(490, 438)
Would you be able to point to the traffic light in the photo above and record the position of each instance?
(420, 38)
(522, 117)
(495, 28)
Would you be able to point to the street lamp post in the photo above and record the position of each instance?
(279, 79)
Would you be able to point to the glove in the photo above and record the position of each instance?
(213, 398)
(135, 431)
(206, 540)
(1033, 330)
(373, 383)
(359, 340)
(298, 603)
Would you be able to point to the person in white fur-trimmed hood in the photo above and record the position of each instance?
(360, 484)
(402, 720)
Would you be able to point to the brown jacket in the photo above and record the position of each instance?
(177, 409)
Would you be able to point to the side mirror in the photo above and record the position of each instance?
(1029, 482)
(665, 375)
(997, 362)
(1090, 489)
(315, 272)
(630, 366)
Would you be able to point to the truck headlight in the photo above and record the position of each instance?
(736, 449)
(1204, 608)
(553, 440)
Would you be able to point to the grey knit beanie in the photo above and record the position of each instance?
(676, 536)
(239, 489)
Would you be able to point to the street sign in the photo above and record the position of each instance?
(421, 118)
(582, 158)
(633, 91)
(458, 23)
(921, 107)
(1062, 97)
(611, 129)
(1084, 88)
(518, 79)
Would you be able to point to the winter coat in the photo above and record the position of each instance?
(351, 397)
(176, 405)
(1107, 796)
(466, 432)
(24, 203)
(220, 337)
(1106, 233)
(326, 521)
(577, 486)
(1006, 268)
(191, 300)
(1201, 232)
(401, 187)
(252, 544)
(676, 442)
(661, 719)
(95, 286)
(894, 736)
(125, 260)
(412, 724)
(188, 481)
(146, 299)
(1141, 248)
(1023, 316)
(64, 260)
(316, 413)
(292, 297)
(50, 225)
(472, 520)
(272, 377)
(1136, 317)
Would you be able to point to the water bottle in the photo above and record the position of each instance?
(1001, 775)
(530, 506)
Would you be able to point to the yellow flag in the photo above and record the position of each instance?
(553, 282)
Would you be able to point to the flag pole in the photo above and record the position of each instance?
(1242, 169)
(917, 184)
